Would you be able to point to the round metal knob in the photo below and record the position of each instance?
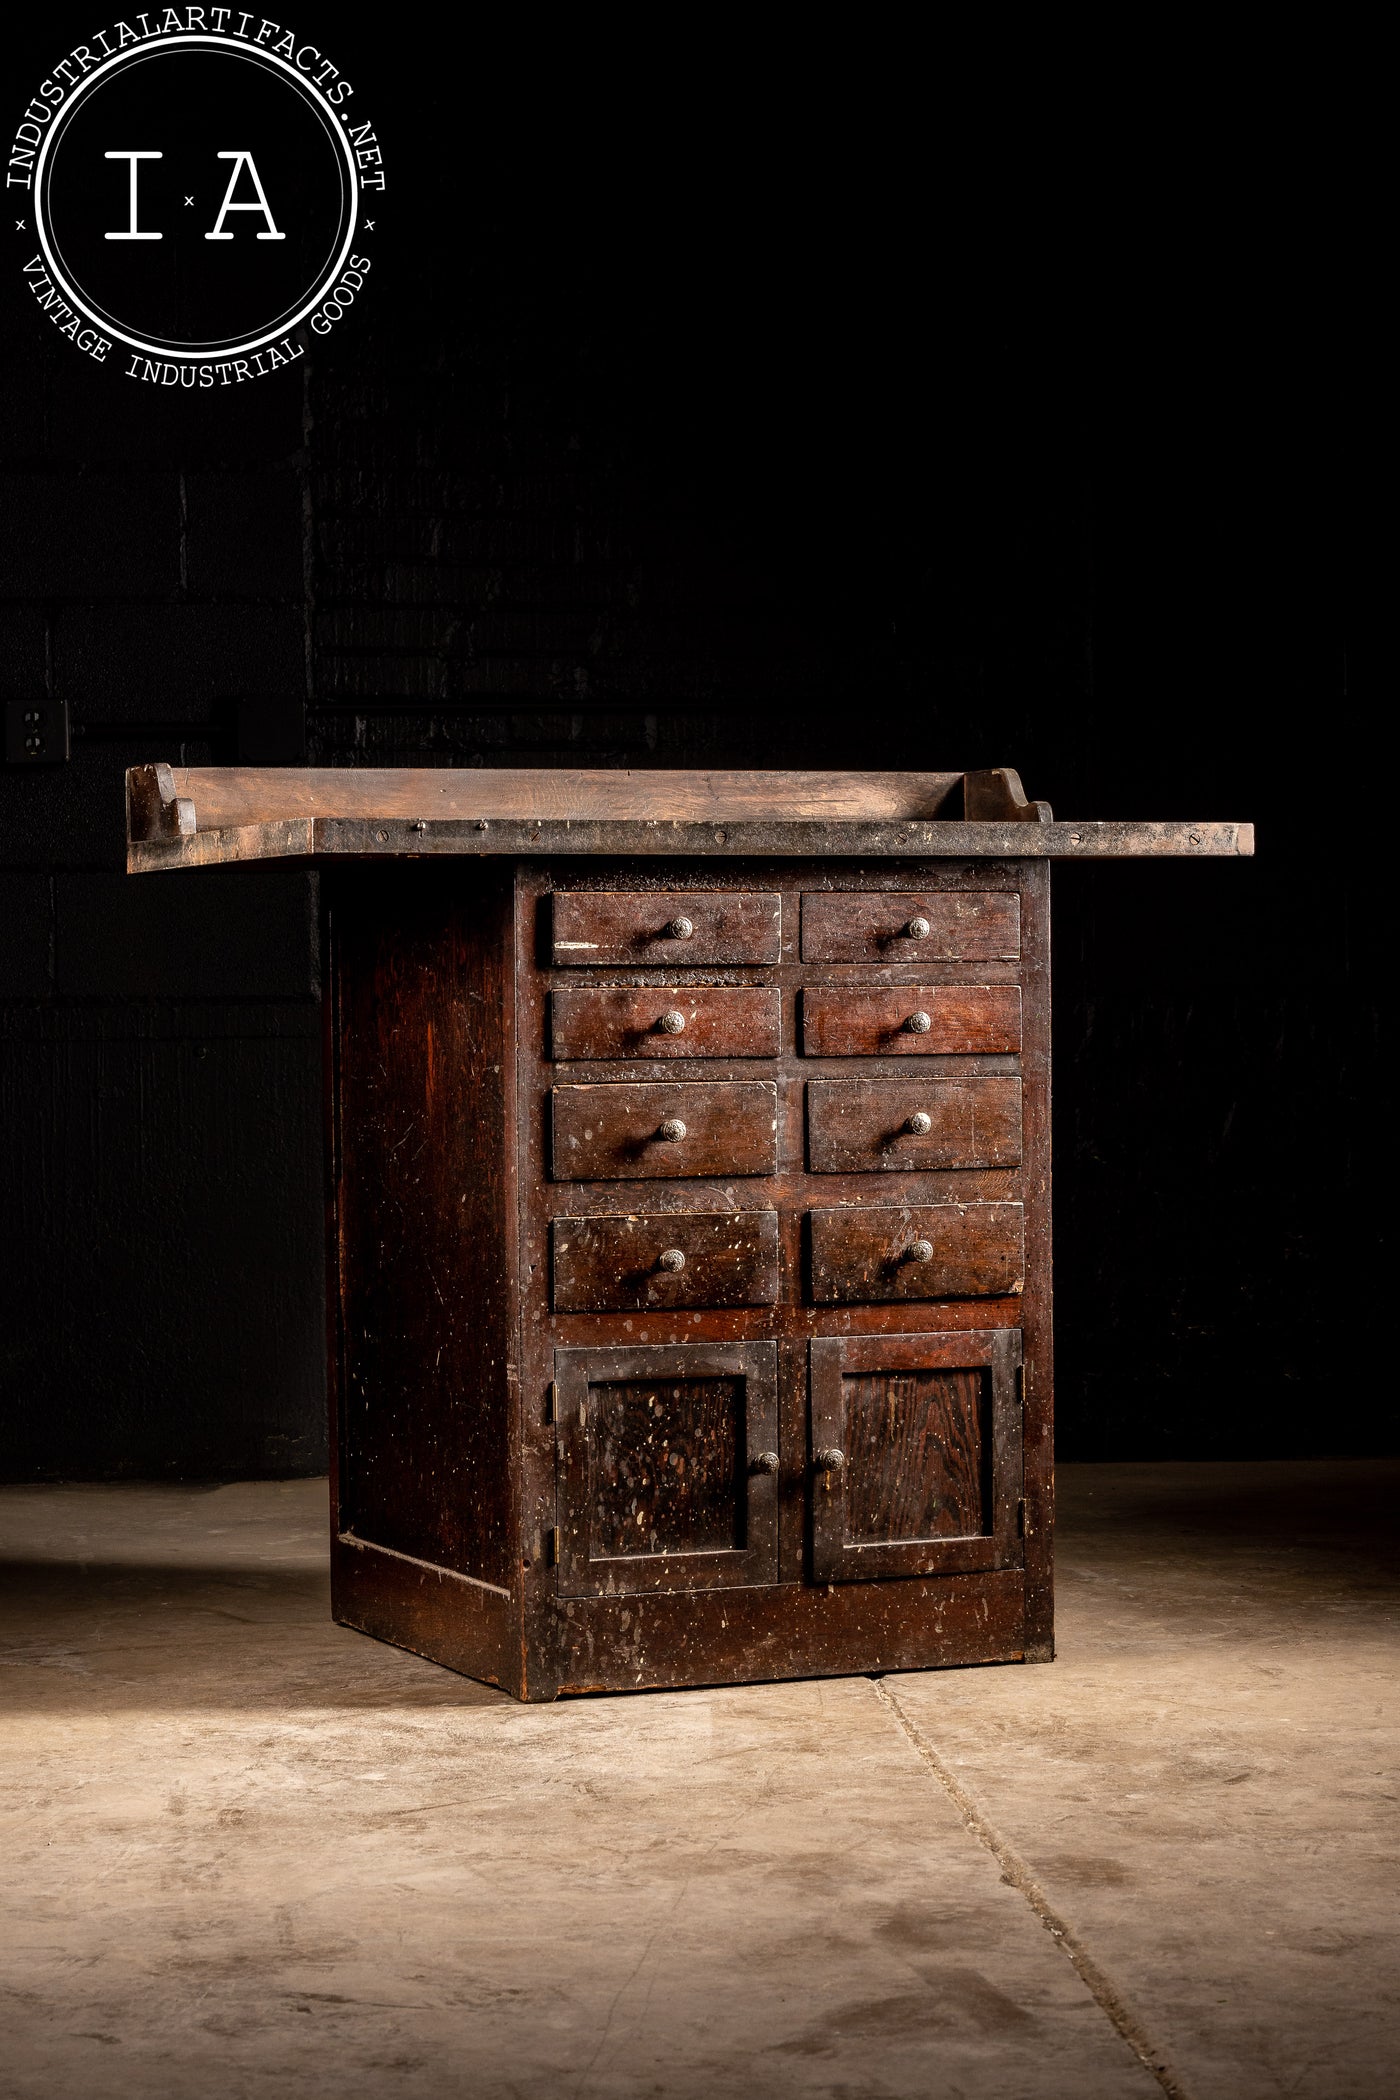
(671, 1258)
(673, 1130)
(680, 929)
(672, 1022)
(917, 929)
(764, 1462)
(919, 1125)
(919, 1250)
(919, 1023)
(829, 1461)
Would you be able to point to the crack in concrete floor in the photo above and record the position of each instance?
(1101, 1987)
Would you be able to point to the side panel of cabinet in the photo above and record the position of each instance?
(1038, 1368)
(423, 1247)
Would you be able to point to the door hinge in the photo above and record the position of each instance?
(1021, 1383)
(1021, 1517)
(551, 1547)
(551, 1401)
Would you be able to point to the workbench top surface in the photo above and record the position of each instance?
(189, 816)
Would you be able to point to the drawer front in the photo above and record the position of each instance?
(911, 1020)
(909, 925)
(904, 1126)
(942, 1250)
(613, 1020)
(625, 1132)
(656, 1264)
(650, 926)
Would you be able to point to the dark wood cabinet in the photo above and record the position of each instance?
(690, 1209)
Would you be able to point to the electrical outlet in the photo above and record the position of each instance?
(36, 732)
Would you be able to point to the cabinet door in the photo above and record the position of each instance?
(916, 1454)
(667, 1467)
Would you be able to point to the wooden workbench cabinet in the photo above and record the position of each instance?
(690, 1222)
(592, 1377)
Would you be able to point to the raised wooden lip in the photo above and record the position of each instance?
(193, 816)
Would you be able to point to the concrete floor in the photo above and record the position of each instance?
(249, 1853)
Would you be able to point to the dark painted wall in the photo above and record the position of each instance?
(765, 428)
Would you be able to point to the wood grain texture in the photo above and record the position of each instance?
(864, 1125)
(929, 1430)
(859, 1256)
(657, 1489)
(874, 925)
(422, 986)
(962, 1018)
(186, 817)
(997, 793)
(636, 926)
(226, 795)
(614, 1132)
(619, 1021)
(667, 1471)
(464, 1625)
(801, 1629)
(615, 1264)
(917, 1446)
(1037, 1322)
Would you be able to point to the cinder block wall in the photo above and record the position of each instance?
(639, 454)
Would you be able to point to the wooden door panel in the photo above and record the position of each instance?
(915, 1445)
(665, 926)
(616, 1020)
(666, 1130)
(913, 926)
(653, 1264)
(882, 1253)
(906, 1126)
(911, 1020)
(915, 1454)
(667, 1463)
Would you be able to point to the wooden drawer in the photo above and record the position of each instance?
(625, 1132)
(645, 1264)
(911, 1020)
(614, 1020)
(942, 1250)
(903, 1126)
(649, 926)
(909, 925)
